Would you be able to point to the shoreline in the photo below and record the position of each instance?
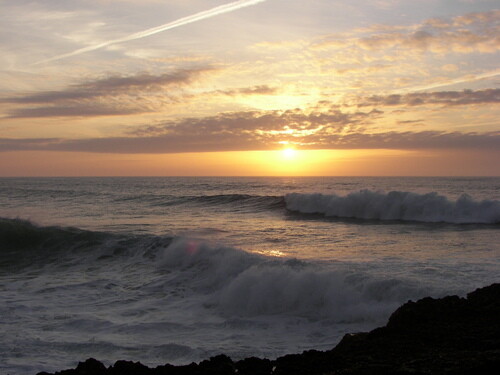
(449, 335)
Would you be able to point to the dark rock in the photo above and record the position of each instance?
(309, 362)
(450, 335)
(167, 369)
(446, 336)
(90, 367)
(128, 368)
(254, 366)
(218, 365)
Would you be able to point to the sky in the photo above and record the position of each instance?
(249, 87)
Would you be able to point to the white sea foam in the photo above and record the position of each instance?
(397, 205)
(236, 283)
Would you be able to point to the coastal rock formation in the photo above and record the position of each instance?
(450, 335)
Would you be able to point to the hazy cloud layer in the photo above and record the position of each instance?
(474, 32)
(239, 131)
(113, 85)
(262, 128)
(443, 98)
(255, 90)
(80, 110)
(113, 95)
(118, 95)
(172, 143)
(433, 53)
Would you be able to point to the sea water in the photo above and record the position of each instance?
(180, 269)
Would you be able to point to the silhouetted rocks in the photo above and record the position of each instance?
(254, 366)
(90, 367)
(451, 335)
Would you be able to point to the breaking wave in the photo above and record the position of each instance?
(397, 205)
(242, 284)
(222, 279)
(363, 204)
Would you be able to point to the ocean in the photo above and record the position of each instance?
(178, 269)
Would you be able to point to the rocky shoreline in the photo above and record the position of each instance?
(450, 335)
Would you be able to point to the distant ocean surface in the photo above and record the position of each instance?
(180, 269)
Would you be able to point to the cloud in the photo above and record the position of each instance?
(477, 18)
(121, 95)
(442, 98)
(406, 122)
(425, 140)
(112, 95)
(450, 68)
(474, 32)
(113, 85)
(447, 82)
(254, 130)
(251, 130)
(246, 91)
(81, 110)
(269, 125)
(168, 143)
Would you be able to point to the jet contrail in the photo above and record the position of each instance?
(158, 29)
(469, 78)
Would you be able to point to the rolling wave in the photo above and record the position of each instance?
(25, 244)
(252, 202)
(263, 202)
(223, 279)
(18, 234)
(397, 205)
(363, 204)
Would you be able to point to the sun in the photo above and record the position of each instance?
(289, 153)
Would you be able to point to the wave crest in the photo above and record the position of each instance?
(397, 205)
(25, 244)
(19, 233)
(238, 201)
(237, 283)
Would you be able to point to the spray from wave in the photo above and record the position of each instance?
(397, 205)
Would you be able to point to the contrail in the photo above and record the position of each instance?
(469, 78)
(158, 29)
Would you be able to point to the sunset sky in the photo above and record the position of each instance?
(170, 87)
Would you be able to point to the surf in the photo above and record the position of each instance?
(397, 206)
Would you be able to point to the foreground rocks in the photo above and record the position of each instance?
(450, 335)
